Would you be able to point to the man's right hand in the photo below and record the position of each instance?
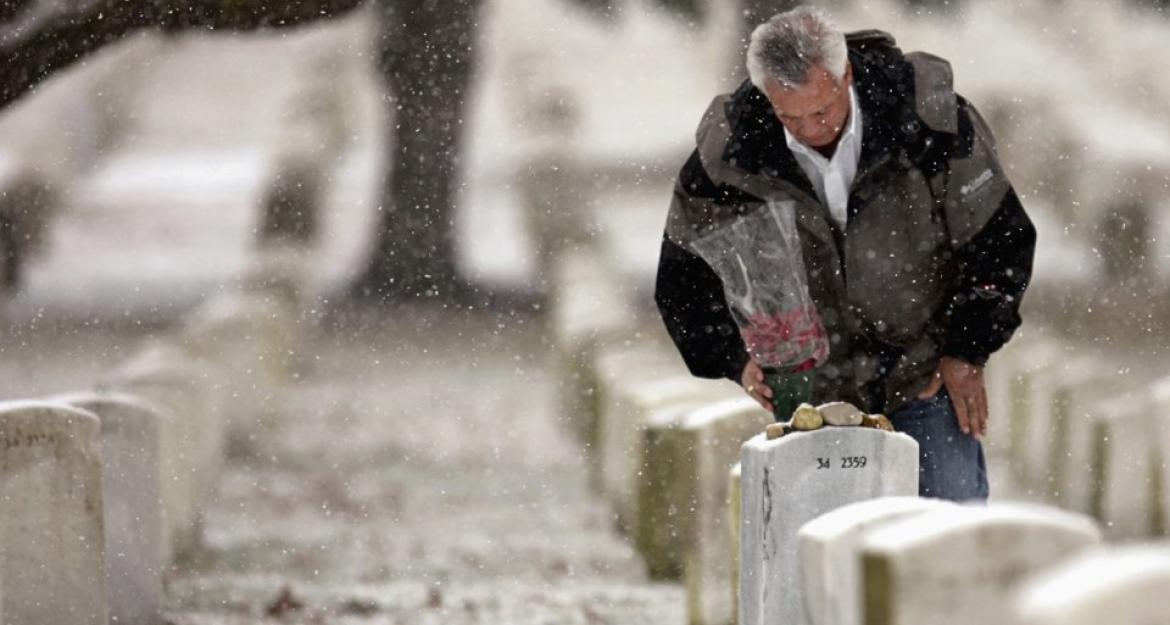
(752, 381)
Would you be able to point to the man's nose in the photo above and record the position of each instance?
(812, 125)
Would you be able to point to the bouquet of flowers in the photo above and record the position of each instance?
(758, 258)
(791, 340)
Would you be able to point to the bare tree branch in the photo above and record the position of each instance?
(40, 37)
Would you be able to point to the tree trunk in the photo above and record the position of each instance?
(426, 49)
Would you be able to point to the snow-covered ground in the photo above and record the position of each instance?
(417, 478)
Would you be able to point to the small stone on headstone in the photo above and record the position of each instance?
(877, 421)
(807, 418)
(776, 430)
(841, 413)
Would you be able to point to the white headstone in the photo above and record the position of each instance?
(1012, 388)
(249, 338)
(1124, 469)
(1160, 396)
(958, 566)
(1045, 437)
(132, 507)
(666, 486)
(1122, 586)
(791, 480)
(587, 313)
(1035, 418)
(717, 433)
(614, 367)
(1074, 433)
(191, 451)
(734, 520)
(51, 544)
(627, 406)
(830, 566)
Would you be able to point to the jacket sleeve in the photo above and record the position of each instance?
(995, 259)
(690, 294)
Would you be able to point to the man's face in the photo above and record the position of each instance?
(815, 112)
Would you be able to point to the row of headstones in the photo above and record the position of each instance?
(910, 561)
(1086, 433)
(663, 445)
(831, 533)
(661, 442)
(102, 488)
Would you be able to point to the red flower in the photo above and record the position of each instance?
(793, 339)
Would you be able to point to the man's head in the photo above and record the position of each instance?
(798, 59)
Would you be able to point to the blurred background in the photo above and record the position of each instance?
(427, 168)
(514, 128)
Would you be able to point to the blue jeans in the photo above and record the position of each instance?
(950, 463)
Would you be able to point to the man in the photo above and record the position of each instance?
(915, 246)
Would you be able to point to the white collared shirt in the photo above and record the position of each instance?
(832, 178)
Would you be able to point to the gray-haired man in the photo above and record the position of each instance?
(916, 247)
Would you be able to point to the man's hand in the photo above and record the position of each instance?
(964, 382)
(752, 381)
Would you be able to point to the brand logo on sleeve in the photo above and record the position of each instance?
(977, 183)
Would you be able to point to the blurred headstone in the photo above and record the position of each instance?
(714, 436)
(191, 451)
(959, 565)
(1127, 585)
(629, 401)
(1124, 469)
(830, 567)
(51, 539)
(130, 491)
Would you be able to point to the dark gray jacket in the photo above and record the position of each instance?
(937, 250)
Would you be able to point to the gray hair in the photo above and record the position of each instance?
(788, 45)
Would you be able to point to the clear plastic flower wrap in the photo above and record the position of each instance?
(758, 258)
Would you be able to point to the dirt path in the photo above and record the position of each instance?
(416, 478)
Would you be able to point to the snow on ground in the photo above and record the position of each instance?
(417, 479)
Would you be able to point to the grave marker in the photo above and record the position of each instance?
(717, 433)
(132, 508)
(789, 481)
(51, 539)
(1124, 468)
(830, 568)
(191, 451)
(959, 565)
(627, 403)
(1127, 586)
(734, 519)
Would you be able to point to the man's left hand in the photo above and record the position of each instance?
(964, 382)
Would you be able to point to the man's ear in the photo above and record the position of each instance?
(847, 77)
